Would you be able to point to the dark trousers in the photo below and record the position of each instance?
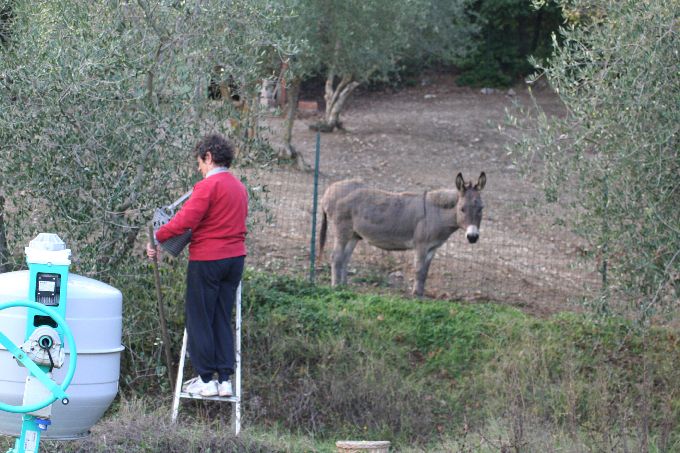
(211, 292)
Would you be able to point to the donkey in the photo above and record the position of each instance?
(398, 221)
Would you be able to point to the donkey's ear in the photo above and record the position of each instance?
(481, 182)
(460, 183)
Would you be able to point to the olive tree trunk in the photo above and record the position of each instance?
(336, 97)
(4, 254)
(288, 151)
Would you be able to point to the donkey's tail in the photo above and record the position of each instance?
(322, 234)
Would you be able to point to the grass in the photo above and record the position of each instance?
(138, 426)
(411, 370)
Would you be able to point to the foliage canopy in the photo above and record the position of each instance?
(510, 32)
(616, 151)
(101, 103)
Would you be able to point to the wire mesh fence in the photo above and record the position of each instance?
(535, 263)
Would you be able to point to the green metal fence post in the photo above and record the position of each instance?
(312, 254)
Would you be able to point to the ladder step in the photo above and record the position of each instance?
(231, 399)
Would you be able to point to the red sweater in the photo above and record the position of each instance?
(216, 214)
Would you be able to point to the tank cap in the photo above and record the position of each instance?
(47, 241)
(48, 248)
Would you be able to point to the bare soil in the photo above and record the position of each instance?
(418, 139)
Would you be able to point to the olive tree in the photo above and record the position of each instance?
(359, 41)
(616, 149)
(101, 104)
(352, 42)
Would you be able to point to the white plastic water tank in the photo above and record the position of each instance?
(94, 315)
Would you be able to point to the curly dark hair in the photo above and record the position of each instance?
(219, 147)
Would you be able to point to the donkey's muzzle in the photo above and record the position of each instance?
(472, 234)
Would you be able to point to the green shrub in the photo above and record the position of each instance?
(511, 31)
(614, 157)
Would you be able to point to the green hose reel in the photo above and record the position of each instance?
(58, 390)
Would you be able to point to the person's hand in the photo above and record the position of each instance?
(152, 252)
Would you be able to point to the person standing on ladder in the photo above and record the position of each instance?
(216, 214)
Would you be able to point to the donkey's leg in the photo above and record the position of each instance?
(337, 260)
(347, 254)
(343, 235)
(423, 257)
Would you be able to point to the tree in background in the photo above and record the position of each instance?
(247, 49)
(352, 42)
(439, 32)
(510, 32)
(293, 66)
(616, 151)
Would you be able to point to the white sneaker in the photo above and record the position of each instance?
(224, 388)
(196, 386)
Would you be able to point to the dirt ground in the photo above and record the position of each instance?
(417, 139)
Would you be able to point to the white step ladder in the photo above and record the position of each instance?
(235, 381)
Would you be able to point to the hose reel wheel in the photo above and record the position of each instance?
(58, 391)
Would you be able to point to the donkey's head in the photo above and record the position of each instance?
(469, 206)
